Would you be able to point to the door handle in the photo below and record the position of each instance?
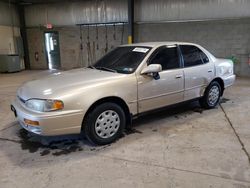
(178, 76)
(210, 71)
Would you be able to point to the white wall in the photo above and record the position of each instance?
(7, 34)
(8, 14)
(9, 28)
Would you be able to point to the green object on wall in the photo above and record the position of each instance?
(234, 59)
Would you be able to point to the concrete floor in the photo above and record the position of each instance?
(183, 146)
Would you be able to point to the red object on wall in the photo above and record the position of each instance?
(49, 26)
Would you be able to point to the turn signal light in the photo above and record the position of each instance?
(30, 122)
(57, 105)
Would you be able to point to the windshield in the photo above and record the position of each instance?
(122, 59)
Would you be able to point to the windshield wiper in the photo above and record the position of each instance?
(106, 69)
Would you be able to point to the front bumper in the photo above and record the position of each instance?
(50, 123)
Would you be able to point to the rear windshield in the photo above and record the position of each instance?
(123, 59)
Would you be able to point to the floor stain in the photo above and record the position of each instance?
(66, 151)
(45, 152)
(26, 144)
(31, 146)
(224, 100)
(100, 148)
(58, 147)
(176, 117)
(198, 110)
(129, 131)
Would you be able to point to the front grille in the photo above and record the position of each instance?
(22, 100)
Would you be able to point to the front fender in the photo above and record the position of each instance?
(84, 97)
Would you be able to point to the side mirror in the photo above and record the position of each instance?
(153, 68)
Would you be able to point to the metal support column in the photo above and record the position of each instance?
(130, 21)
(24, 36)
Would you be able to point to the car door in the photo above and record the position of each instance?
(169, 88)
(198, 71)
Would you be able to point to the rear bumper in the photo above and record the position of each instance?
(50, 123)
(229, 80)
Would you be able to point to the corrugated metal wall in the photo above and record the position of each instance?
(9, 22)
(181, 10)
(99, 11)
(8, 15)
(226, 38)
(102, 11)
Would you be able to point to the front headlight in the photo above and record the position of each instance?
(44, 105)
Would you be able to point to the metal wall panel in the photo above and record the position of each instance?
(183, 10)
(98, 11)
(103, 11)
(8, 15)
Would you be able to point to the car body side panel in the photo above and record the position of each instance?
(197, 78)
(124, 88)
(167, 90)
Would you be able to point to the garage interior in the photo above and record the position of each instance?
(181, 146)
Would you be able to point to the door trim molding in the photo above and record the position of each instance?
(162, 95)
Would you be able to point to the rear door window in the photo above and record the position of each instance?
(193, 56)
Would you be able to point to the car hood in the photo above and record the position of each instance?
(58, 83)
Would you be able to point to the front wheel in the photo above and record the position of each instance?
(212, 95)
(104, 124)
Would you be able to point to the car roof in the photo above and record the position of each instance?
(156, 44)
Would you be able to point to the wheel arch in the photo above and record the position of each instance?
(221, 82)
(112, 99)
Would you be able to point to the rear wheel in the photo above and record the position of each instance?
(105, 123)
(212, 95)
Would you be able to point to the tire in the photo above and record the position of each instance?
(104, 124)
(212, 96)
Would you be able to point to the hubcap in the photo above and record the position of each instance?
(213, 95)
(107, 124)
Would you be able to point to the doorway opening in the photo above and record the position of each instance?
(52, 49)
